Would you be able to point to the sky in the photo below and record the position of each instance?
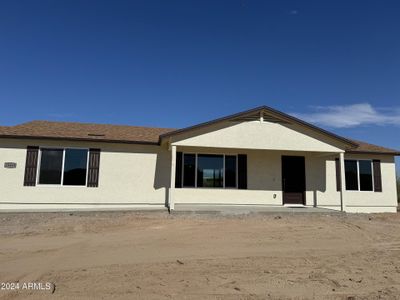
(177, 63)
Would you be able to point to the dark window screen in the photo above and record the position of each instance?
(75, 167)
(189, 170)
(351, 175)
(51, 166)
(365, 175)
(230, 171)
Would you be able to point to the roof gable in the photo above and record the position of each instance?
(269, 114)
(256, 135)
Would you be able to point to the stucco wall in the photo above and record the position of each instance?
(133, 176)
(258, 135)
(264, 180)
(130, 175)
(265, 183)
(385, 201)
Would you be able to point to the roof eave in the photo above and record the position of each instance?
(78, 139)
(373, 152)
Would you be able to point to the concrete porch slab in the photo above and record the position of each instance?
(247, 209)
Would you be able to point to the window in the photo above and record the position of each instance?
(75, 167)
(358, 175)
(365, 175)
(351, 175)
(210, 170)
(63, 166)
(230, 171)
(51, 166)
(189, 170)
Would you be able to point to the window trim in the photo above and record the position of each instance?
(358, 175)
(61, 184)
(196, 164)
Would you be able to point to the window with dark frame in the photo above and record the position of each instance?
(358, 175)
(209, 170)
(63, 167)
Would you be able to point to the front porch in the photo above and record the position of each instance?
(266, 184)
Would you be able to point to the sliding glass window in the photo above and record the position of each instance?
(63, 166)
(209, 170)
(358, 175)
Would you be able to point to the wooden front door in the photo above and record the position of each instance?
(293, 179)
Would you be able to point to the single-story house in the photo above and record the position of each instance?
(260, 157)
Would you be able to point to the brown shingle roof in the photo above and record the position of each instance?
(85, 131)
(121, 134)
(364, 147)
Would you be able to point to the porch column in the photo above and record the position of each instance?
(342, 182)
(172, 184)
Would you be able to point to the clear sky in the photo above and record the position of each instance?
(177, 63)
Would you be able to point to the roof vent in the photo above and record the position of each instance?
(96, 134)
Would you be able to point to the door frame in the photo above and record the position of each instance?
(304, 194)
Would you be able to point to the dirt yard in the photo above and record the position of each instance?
(158, 256)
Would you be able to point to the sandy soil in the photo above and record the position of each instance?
(158, 256)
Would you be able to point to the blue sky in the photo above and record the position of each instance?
(177, 63)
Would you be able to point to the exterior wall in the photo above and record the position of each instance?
(264, 180)
(265, 183)
(131, 176)
(385, 201)
(138, 176)
(259, 135)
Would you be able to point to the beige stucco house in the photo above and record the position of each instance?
(260, 157)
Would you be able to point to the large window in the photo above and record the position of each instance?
(63, 166)
(209, 170)
(358, 175)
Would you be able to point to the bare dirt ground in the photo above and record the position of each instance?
(128, 255)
